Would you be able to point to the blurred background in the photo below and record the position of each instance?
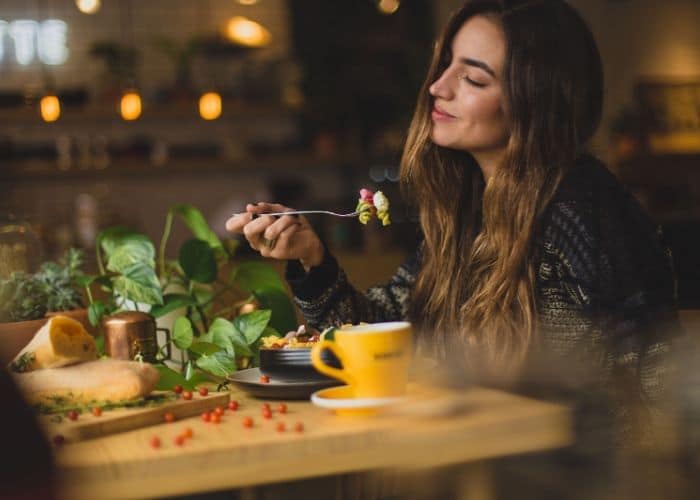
(111, 111)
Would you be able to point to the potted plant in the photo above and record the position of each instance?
(203, 286)
(27, 299)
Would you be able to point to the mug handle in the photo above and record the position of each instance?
(168, 352)
(321, 366)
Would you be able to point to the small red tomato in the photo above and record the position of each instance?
(58, 440)
(299, 427)
(203, 391)
(264, 379)
(188, 432)
(73, 415)
(206, 416)
(155, 442)
(179, 440)
(177, 389)
(233, 405)
(248, 422)
(266, 413)
(186, 394)
(266, 406)
(280, 427)
(219, 410)
(97, 411)
(282, 408)
(216, 418)
(169, 417)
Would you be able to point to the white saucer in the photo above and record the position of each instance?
(340, 400)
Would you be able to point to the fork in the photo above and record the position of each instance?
(304, 212)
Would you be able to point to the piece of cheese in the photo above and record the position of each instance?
(103, 380)
(61, 341)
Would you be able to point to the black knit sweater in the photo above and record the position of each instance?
(604, 281)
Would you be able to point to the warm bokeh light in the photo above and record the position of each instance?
(130, 106)
(247, 2)
(243, 31)
(388, 6)
(210, 106)
(88, 6)
(50, 108)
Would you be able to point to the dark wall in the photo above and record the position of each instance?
(362, 69)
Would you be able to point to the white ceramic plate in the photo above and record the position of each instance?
(340, 399)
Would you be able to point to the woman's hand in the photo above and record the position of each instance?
(288, 237)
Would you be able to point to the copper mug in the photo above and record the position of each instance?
(132, 335)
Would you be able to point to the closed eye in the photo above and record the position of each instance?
(474, 83)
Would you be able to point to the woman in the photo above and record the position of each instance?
(530, 244)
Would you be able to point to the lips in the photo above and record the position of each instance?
(440, 114)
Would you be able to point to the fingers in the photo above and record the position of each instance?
(236, 223)
(283, 246)
(275, 229)
(263, 207)
(254, 230)
(265, 233)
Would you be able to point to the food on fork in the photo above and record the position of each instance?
(370, 204)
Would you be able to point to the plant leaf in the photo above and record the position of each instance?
(198, 261)
(204, 348)
(196, 222)
(139, 283)
(182, 333)
(198, 376)
(284, 318)
(225, 334)
(253, 324)
(252, 276)
(130, 253)
(169, 378)
(220, 364)
(171, 302)
(95, 312)
(189, 370)
(112, 237)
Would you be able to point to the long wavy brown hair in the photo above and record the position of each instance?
(478, 282)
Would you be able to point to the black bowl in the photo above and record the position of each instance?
(294, 364)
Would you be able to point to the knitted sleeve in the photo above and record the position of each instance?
(326, 297)
(614, 279)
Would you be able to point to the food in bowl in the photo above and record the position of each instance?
(301, 338)
(288, 358)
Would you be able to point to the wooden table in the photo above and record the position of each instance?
(226, 455)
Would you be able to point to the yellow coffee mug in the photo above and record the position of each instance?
(375, 358)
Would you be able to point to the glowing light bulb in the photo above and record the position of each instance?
(50, 108)
(130, 106)
(243, 31)
(210, 106)
(388, 6)
(88, 6)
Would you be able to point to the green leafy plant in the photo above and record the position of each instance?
(203, 282)
(56, 286)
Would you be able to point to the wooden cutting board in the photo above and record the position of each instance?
(89, 426)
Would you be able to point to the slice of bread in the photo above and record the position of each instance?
(61, 341)
(103, 380)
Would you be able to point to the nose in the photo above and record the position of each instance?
(441, 87)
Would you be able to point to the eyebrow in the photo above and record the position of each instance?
(478, 64)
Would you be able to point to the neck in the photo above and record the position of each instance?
(488, 162)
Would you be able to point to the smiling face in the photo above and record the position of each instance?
(468, 100)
